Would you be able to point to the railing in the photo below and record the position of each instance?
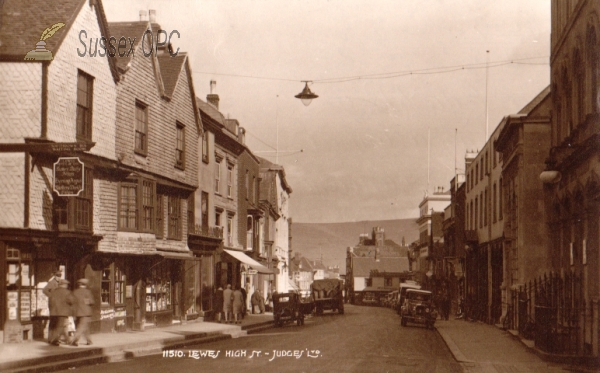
(204, 231)
(552, 311)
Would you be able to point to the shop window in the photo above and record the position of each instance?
(388, 282)
(112, 290)
(158, 288)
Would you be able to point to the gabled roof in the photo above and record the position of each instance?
(536, 101)
(266, 166)
(170, 68)
(128, 30)
(362, 267)
(23, 21)
(210, 112)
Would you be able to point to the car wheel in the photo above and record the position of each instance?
(341, 311)
(402, 321)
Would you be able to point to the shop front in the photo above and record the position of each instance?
(244, 271)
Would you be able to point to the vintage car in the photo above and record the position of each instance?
(404, 286)
(327, 294)
(418, 308)
(288, 307)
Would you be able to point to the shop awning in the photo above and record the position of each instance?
(249, 261)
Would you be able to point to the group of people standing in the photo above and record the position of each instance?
(62, 304)
(230, 304)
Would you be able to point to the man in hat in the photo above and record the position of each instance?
(60, 304)
(82, 311)
(52, 284)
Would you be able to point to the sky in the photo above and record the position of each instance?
(403, 87)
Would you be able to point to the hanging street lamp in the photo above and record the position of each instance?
(306, 95)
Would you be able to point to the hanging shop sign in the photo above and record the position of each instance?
(68, 176)
(252, 272)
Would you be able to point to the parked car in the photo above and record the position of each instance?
(404, 286)
(418, 308)
(288, 307)
(328, 294)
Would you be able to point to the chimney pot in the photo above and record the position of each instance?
(213, 98)
(143, 15)
(152, 15)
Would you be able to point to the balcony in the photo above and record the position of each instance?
(213, 233)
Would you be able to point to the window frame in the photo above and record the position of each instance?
(229, 180)
(179, 145)
(84, 132)
(174, 217)
(143, 149)
(141, 204)
(112, 287)
(218, 176)
(205, 150)
(66, 210)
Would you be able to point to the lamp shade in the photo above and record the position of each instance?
(306, 96)
(550, 177)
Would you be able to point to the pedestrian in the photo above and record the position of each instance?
(60, 304)
(218, 303)
(258, 303)
(82, 310)
(238, 305)
(445, 306)
(227, 306)
(244, 297)
(52, 284)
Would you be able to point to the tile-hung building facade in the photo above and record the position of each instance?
(62, 98)
(523, 147)
(143, 259)
(574, 185)
(484, 229)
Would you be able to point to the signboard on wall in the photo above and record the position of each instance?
(68, 176)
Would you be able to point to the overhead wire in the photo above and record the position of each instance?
(396, 74)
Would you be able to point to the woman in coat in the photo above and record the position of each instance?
(218, 303)
(238, 305)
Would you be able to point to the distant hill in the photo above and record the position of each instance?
(332, 239)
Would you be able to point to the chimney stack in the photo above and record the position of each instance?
(152, 15)
(143, 15)
(213, 98)
(242, 136)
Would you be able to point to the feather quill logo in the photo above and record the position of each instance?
(40, 53)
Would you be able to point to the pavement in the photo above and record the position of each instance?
(477, 346)
(481, 347)
(39, 356)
